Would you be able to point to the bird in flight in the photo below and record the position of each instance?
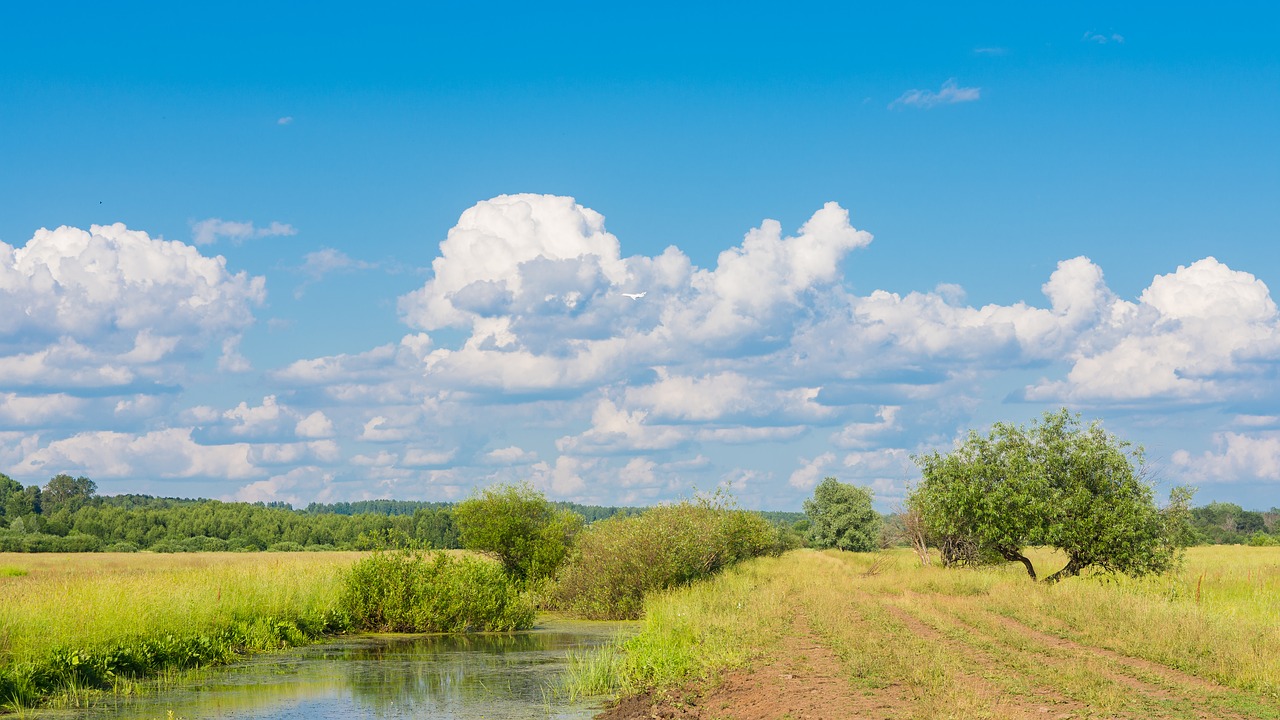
(635, 296)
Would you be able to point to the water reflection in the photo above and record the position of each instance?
(477, 676)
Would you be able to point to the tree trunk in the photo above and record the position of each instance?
(922, 550)
(1012, 554)
(1073, 568)
(913, 524)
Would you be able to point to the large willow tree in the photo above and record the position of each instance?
(1059, 483)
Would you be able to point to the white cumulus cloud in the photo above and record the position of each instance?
(1236, 457)
(1202, 333)
(106, 285)
(168, 453)
(315, 425)
(812, 470)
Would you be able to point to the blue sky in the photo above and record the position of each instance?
(860, 231)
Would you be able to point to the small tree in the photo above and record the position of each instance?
(1060, 483)
(841, 517)
(520, 527)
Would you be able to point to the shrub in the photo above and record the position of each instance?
(201, 543)
(166, 546)
(77, 542)
(528, 535)
(123, 546)
(1261, 539)
(408, 591)
(285, 546)
(788, 538)
(41, 542)
(618, 560)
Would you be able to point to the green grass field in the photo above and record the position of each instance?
(933, 643)
(923, 642)
(74, 621)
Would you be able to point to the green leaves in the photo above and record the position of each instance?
(1060, 483)
(517, 525)
(618, 561)
(407, 591)
(841, 517)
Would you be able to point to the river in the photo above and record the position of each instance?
(489, 676)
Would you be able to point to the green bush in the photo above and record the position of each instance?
(201, 543)
(516, 524)
(77, 542)
(617, 561)
(121, 547)
(788, 538)
(166, 546)
(285, 546)
(1261, 539)
(42, 542)
(407, 591)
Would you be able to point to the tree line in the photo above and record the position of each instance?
(67, 515)
(1060, 483)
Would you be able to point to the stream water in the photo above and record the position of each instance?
(493, 677)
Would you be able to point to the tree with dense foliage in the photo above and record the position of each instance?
(841, 516)
(65, 492)
(516, 523)
(8, 487)
(22, 503)
(1059, 483)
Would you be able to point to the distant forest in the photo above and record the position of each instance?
(67, 515)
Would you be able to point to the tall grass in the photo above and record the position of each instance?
(76, 622)
(1217, 617)
(408, 591)
(696, 631)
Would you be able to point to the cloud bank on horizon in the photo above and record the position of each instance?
(526, 356)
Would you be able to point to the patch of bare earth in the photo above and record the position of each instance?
(806, 681)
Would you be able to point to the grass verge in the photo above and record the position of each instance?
(934, 643)
(73, 625)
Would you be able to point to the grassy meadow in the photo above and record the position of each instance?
(910, 641)
(71, 621)
(935, 643)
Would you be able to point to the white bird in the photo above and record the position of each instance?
(635, 296)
